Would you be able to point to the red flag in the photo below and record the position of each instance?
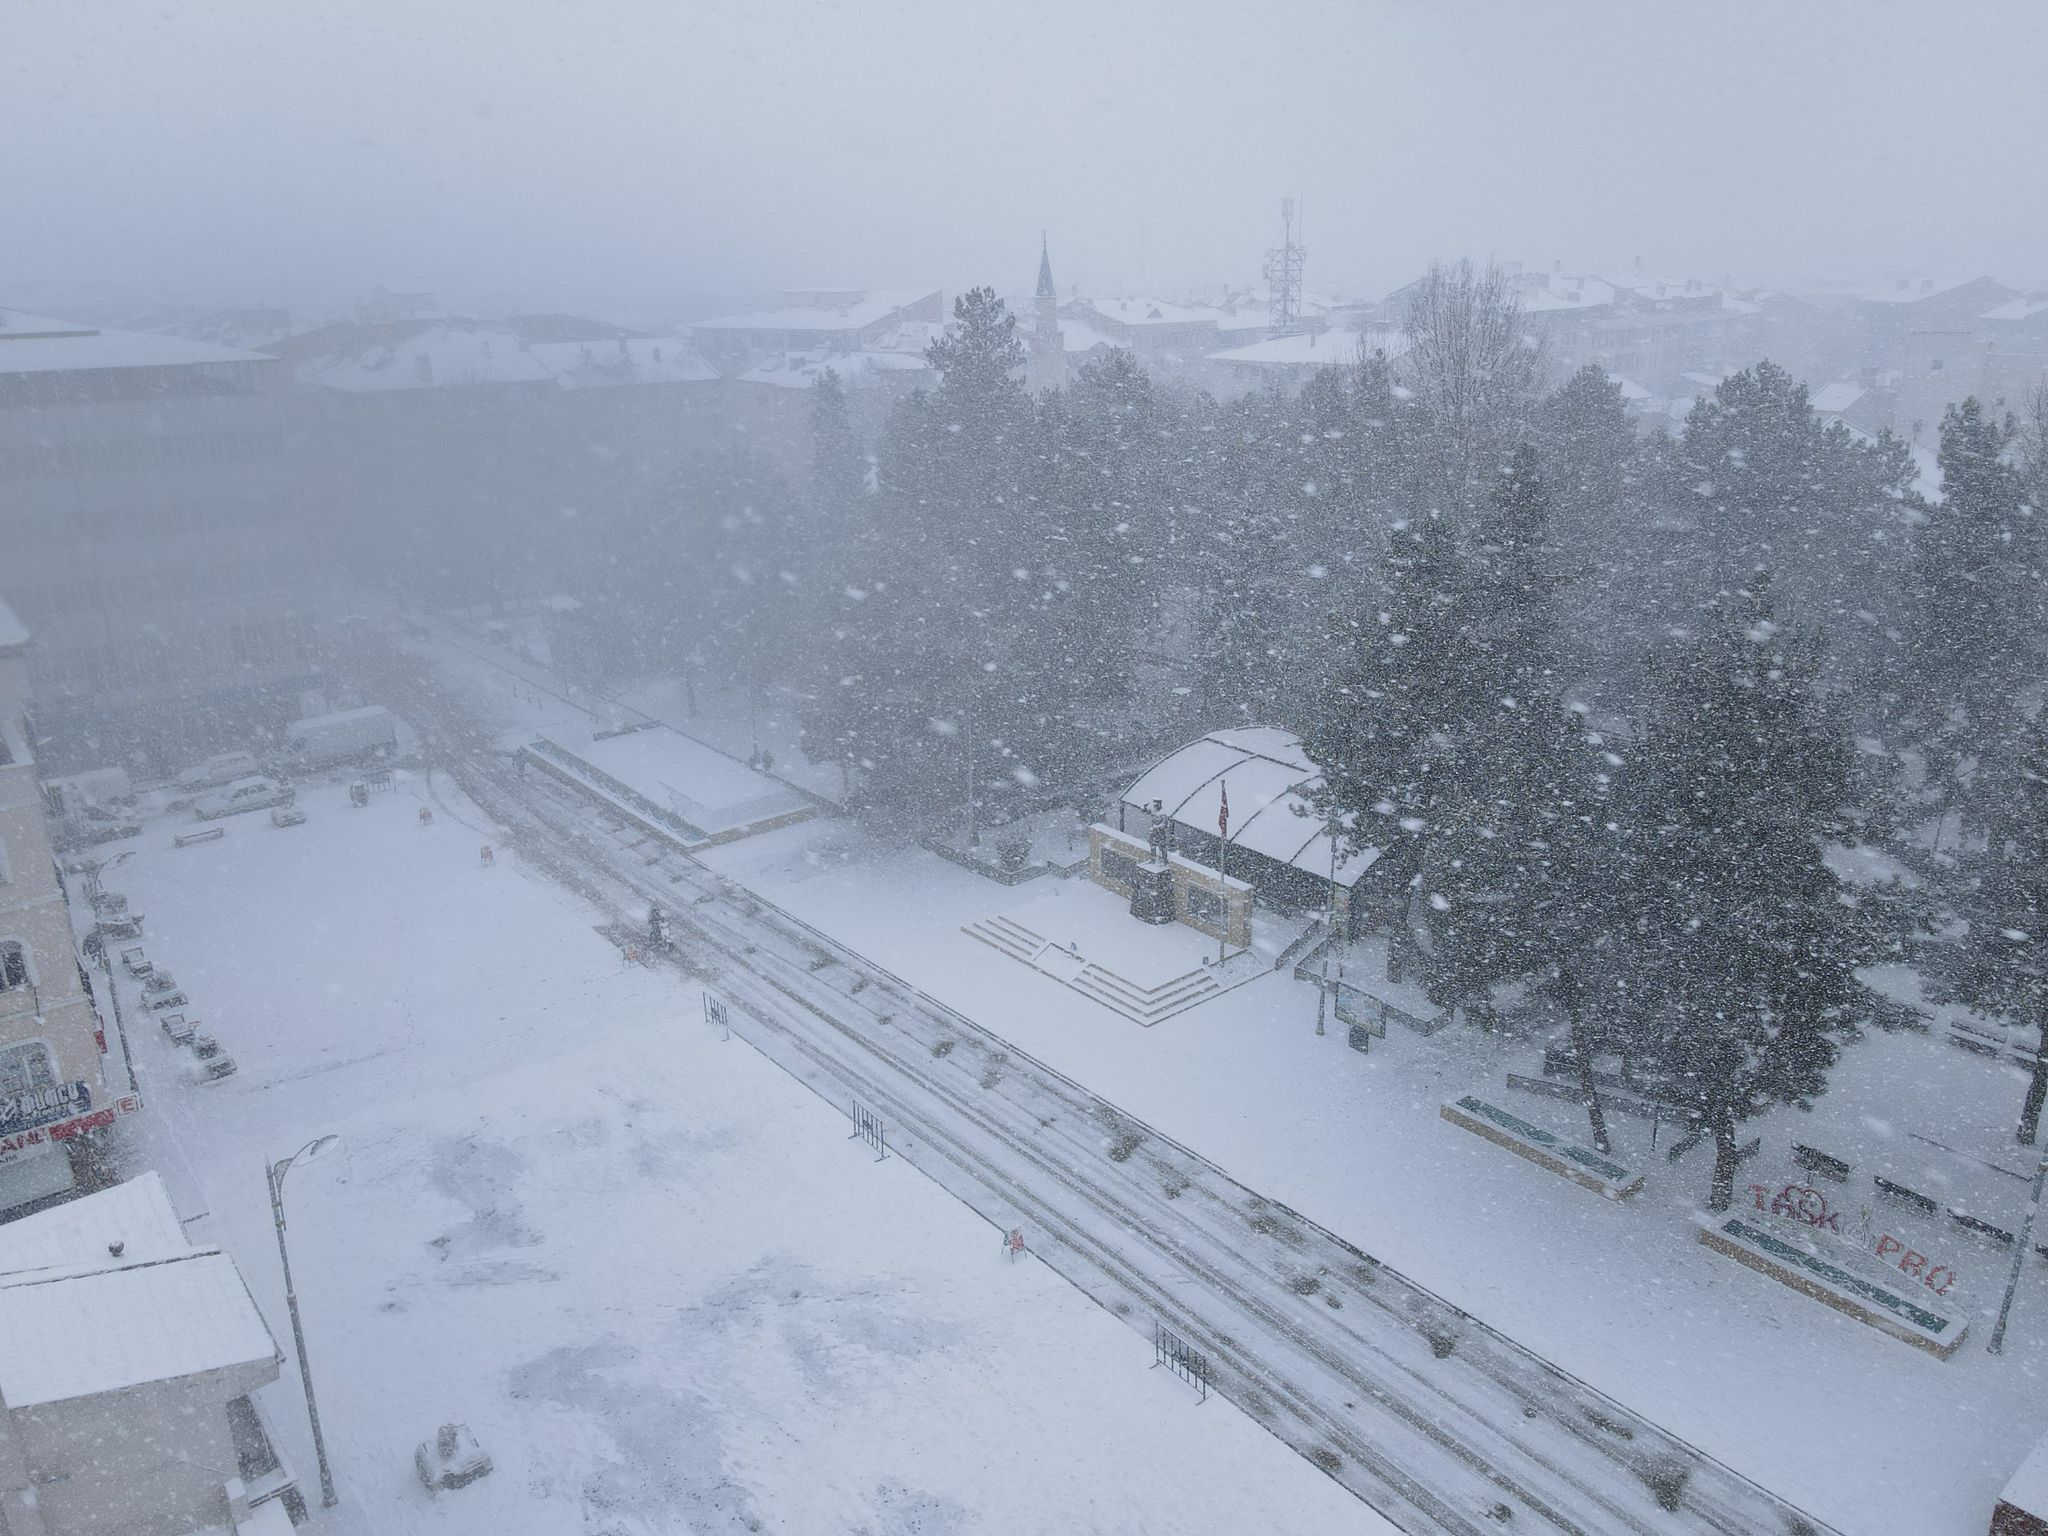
(1223, 813)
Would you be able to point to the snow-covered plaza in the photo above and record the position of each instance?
(648, 1269)
(1622, 1296)
(1849, 1424)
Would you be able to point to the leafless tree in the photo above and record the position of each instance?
(1473, 366)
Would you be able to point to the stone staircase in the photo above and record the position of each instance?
(1012, 938)
(1135, 1001)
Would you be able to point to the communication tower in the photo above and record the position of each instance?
(1283, 272)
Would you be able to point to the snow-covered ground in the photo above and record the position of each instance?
(1859, 1429)
(648, 1269)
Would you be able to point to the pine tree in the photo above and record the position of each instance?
(947, 590)
(838, 468)
(1748, 944)
(840, 623)
(1503, 785)
(1611, 547)
(2000, 965)
(741, 571)
(1391, 734)
(1762, 481)
(1975, 580)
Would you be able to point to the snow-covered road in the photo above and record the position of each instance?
(1428, 1415)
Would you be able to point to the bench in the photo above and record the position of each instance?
(1617, 1100)
(206, 835)
(179, 1028)
(1583, 1166)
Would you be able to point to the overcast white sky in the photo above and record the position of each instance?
(613, 155)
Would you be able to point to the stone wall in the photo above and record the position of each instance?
(1220, 906)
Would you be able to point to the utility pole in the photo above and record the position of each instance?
(276, 1172)
(2019, 1256)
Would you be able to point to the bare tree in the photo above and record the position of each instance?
(1473, 366)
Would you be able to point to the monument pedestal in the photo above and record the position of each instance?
(1152, 893)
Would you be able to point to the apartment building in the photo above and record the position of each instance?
(53, 1085)
(154, 537)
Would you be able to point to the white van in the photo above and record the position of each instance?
(253, 794)
(353, 735)
(221, 768)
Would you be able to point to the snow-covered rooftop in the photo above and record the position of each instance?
(138, 1215)
(701, 784)
(628, 360)
(1544, 294)
(39, 344)
(1080, 336)
(78, 1318)
(1330, 349)
(2024, 308)
(1830, 399)
(800, 370)
(70, 1334)
(1270, 780)
(1911, 290)
(1141, 311)
(853, 313)
(435, 353)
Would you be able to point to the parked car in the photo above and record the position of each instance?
(76, 794)
(92, 826)
(221, 768)
(251, 794)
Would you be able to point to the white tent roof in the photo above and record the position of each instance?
(1270, 780)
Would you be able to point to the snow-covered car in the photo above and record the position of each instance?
(221, 768)
(91, 826)
(251, 794)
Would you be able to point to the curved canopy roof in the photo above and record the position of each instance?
(1270, 780)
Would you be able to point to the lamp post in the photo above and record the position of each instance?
(1329, 927)
(973, 831)
(2019, 1256)
(276, 1172)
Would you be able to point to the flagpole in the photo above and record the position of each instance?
(1223, 873)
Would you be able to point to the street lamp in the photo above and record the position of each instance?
(973, 830)
(1329, 926)
(276, 1172)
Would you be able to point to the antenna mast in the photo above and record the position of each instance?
(1283, 273)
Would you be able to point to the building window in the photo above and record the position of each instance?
(13, 965)
(25, 1067)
